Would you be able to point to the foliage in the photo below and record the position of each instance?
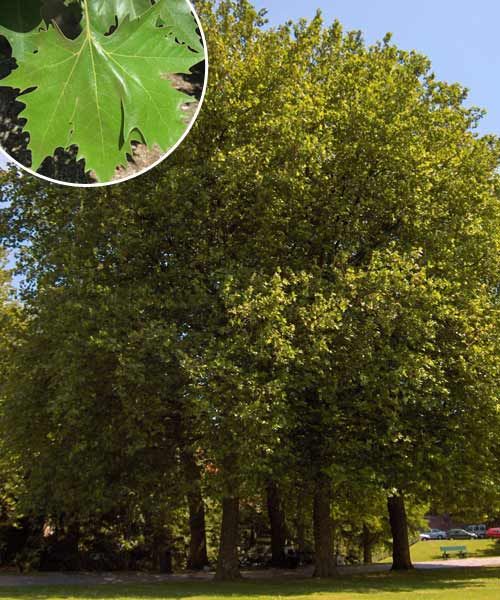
(307, 289)
(124, 75)
(10, 322)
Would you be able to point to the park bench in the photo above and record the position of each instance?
(460, 550)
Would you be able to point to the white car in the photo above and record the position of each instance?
(479, 530)
(433, 534)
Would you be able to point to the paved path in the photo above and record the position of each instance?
(491, 561)
(87, 579)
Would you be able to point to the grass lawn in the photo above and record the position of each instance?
(466, 584)
(426, 551)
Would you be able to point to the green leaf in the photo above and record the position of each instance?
(178, 17)
(175, 14)
(19, 24)
(104, 12)
(21, 43)
(93, 91)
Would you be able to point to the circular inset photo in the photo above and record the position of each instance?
(94, 92)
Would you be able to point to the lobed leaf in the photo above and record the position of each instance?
(95, 90)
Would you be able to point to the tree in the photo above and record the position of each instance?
(94, 383)
(315, 284)
(10, 478)
(359, 187)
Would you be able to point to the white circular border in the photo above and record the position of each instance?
(161, 159)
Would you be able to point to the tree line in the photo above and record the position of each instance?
(298, 307)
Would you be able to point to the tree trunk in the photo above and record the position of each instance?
(197, 557)
(323, 529)
(367, 545)
(401, 560)
(71, 542)
(162, 550)
(227, 562)
(278, 526)
(165, 560)
(301, 526)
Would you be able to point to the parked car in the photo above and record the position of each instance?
(461, 534)
(493, 532)
(433, 534)
(479, 530)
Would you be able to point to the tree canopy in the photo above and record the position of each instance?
(306, 292)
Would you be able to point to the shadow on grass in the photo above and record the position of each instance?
(493, 550)
(383, 582)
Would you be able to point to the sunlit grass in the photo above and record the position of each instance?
(427, 551)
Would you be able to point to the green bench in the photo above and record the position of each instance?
(447, 550)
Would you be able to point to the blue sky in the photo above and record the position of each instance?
(461, 38)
